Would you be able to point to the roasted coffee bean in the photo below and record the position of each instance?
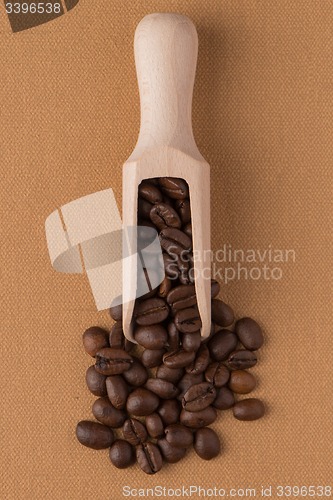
(242, 359)
(154, 426)
(112, 361)
(116, 309)
(95, 382)
(94, 339)
(172, 375)
(200, 363)
(211, 334)
(151, 337)
(217, 374)
(168, 201)
(137, 375)
(241, 382)
(174, 241)
(178, 359)
(163, 216)
(187, 381)
(206, 444)
(116, 336)
(184, 210)
(106, 413)
(152, 357)
(191, 341)
(249, 333)
(134, 432)
(178, 436)
(173, 187)
(142, 402)
(94, 435)
(197, 419)
(169, 411)
(215, 288)
(182, 297)
(117, 390)
(150, 192)
(188, 229)
(144, 208)
(173, 336)
(144, 232)
(198, 397)
(249, 409)
(149, 458)
(165, 287)
(162, 388)
(122, 454)
(222, 344)
(222, 314)
(170, 266)
(151, 311)
(224, 398)
(188, 320)
(169, 453)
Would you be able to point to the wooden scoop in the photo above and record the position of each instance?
(166, 47)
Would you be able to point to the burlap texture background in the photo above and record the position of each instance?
(262, 119)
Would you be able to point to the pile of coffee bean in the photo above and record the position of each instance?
(164, 397)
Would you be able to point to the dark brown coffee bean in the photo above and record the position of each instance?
(222, 344)
(191, 341)
(184, 210)
(170, 266)
(198, 397)
(144, 208)
(206, 444)
(149, 458)
(222, 314)
(142, 402)
(150, 192)
(188, 320)
(215, 288)
(170, 454)
(188, 229)
(116, 336)
(182, 297)
(172, 375)
(106, 413)
(144, 232)
(116, 309)
(174, 241)
(173, 336)
(173, 187)
(94, 435)
(162, 388)
(94, 339)
(122, 454)
(178, 358)
(197, 419)
(134, 432)
(217, 374)
(137, 375)
(242, 359)
(95, 382)
(187, 381)
(241, 382)
(224, 398)
(151, 337)
(178, 436)
(163, 216)
(165, 287)
(154, 426)
(169, 411)
(117, 390)
(168, 201)
(151, 311)
(249, 409)
(112, 361)
(201, 361)
(152, 357)
(249, 333)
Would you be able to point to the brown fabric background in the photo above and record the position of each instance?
(262, 119)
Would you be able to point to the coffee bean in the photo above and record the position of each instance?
(182, 297)
(178, 436)
(116, 309)
(249, 333)
(151, 311)
(191, 341)
(188, 230)
(222, 314)
(242, 359)
(142, 402)
(199, 396)
(121, 454)
(116, 336)
(172, 375)
(206, 444)
(184, 210)
(94, 435)
(134, 432)
(154, 425)
(173, 336)
(152, 357)
(170, 266)
(162, 388)
(249, 409)
(197, 419)
(188, 320)
(173, 187)
(165, 287)
(117, 391)
(187, 381)
(201, 361)
(174, 241)
(151, 337)
(178, 358)
(170, 454)
(150, 192)
(211, 334)
(137, 375)
(217, 374)
(224, 398)
(105, 412)
(144, 232)
(144, 208)
(215, 288)
(241, 382)
(163, 216)
(94, 339)
(169, 411)
(149, 458)
(222, 344)
(112, 361)
(95, 382)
